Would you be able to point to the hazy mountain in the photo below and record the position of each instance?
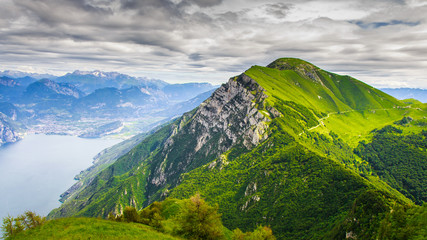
(13, 112)
(10, 90)
(182, 107)
(19, 74)
(112, 102)
(405, 93)
(46, 89)
(185, 91)
(89, 81)
(25, 81)
(8, 82)
(286, 146)
(54, 106)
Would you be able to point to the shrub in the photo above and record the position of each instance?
(198, 220)
(130, 214)
(152, 215)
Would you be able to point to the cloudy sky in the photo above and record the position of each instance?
(381, 42)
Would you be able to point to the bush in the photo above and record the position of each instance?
(198, 220)
(130, 215)
(261, 233)
(152, 215)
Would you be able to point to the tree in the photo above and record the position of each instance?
(152, 215)
(198, 220)
(11, 226)
(130, 214)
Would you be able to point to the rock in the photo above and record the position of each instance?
(229, 117)
(7, 132)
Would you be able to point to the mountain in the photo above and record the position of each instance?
(182, 107)
(273, 146)
(185, 91)
(13, 112)
(112, 102)
(90, 81)
(101, 161)
(19, 74)
(10, 89)
(406, 93)
(8, 82)
(137, 102)
(46, 89)
(25, 81)
(8, 132)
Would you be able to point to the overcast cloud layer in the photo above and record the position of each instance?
(381, 42)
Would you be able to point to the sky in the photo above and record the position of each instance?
(381, 42)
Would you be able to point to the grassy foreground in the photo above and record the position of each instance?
(92, 228)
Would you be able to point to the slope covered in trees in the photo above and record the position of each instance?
(400, 160)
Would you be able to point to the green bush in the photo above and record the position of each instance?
(152, 215)
(261, 233)
(198, 220)
(130, 215)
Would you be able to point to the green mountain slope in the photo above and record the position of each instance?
(400, 160)
(273, 146)
(301, 82)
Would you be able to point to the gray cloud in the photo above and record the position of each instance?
(279, 10)
(381, 42)
(203, 3)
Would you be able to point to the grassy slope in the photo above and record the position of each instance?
(92, 228)
(301, 82)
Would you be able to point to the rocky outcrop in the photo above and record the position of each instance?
(300, 66)
(7, 133)
(229, 117)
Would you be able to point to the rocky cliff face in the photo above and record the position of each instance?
(7, 133)
(228, 118)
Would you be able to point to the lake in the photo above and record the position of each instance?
(39, 168)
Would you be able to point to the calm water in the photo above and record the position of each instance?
(39, 168)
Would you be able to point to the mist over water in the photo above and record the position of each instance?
(37, 169)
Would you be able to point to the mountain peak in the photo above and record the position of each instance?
(291, 64)
(96, 73)
(292, 79)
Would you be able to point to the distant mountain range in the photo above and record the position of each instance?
(106, 96)
(405, 93)
(89, 81)
(20, 75)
